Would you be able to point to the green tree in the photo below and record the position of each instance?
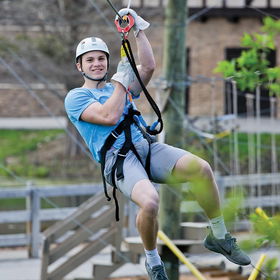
(252, 67)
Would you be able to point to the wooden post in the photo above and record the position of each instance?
(33, 225)
(45, 259)
(28, 222)
(174, 63)
(36, 224)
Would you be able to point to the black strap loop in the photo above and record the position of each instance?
(130, 57)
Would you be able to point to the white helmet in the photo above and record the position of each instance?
(91, 44)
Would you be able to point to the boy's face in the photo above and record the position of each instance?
(94, 64)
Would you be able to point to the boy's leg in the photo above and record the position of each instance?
(191, 168)
(197, 171)
(146, 197)
(137, 187)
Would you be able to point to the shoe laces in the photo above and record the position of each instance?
(231, 241)
(159, 273)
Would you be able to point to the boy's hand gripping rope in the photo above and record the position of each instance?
(124, 25)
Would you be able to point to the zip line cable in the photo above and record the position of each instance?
(262, 12)
(101, 13)
(200, 13)
(128, 4)
(13, 174)
(114, 9)
(36, 74)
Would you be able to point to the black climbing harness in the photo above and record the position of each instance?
(124, 24)
(117, 168)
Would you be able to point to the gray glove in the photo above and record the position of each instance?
(125, 74)
(140, 23)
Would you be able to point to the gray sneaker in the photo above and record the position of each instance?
(227, 247)
(157, 272)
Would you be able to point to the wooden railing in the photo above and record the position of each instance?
(34, 215)
(91, 228)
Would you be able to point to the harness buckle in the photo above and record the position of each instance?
(122, 155)
(114, 134)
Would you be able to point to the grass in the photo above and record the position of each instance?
(17, 144)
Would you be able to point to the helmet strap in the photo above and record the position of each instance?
(104, 78)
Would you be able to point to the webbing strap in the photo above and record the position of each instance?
(117, 168)
(150, 129)
(107, 146)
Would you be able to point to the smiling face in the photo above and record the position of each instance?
(94, 64)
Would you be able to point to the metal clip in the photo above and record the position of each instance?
(124, 24)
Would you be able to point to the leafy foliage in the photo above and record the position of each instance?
(268, 228)
(252, 67)
(271, 270)
(16, 142)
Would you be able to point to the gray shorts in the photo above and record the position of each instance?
(163, 160)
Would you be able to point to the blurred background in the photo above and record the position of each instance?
(216, 82)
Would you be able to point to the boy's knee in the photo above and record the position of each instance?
(151, 205)
(206, 169)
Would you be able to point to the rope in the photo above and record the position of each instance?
(128, 4)
(112, 6)
(129, 54)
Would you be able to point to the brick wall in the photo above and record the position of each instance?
(207, 42)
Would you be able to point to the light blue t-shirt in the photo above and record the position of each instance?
(77, 100)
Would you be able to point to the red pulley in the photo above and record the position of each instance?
(124, 24)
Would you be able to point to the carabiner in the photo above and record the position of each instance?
(124, 24)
